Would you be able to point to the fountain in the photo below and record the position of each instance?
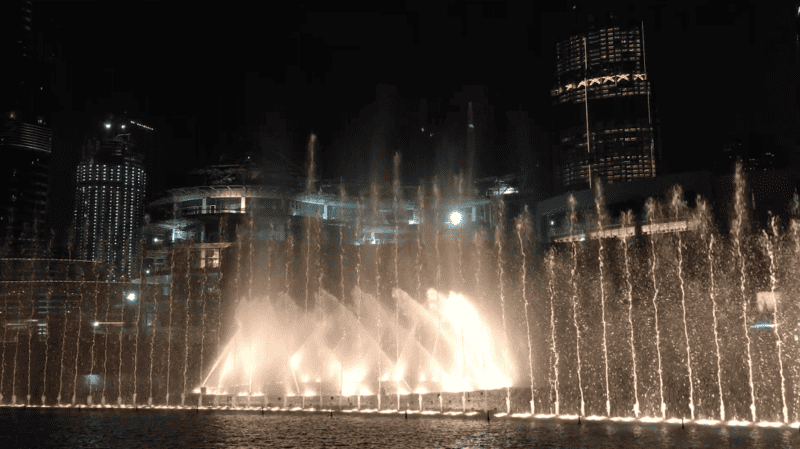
(655, 317)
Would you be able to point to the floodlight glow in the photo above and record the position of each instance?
(108, 125)
(131, 296)
(455, 218)
(96, 323)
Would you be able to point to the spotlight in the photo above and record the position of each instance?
(455, 218)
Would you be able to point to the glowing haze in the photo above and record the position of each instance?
(276, 349)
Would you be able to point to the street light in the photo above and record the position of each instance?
(455, 218)
(131, 296)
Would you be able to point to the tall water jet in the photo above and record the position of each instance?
(551, 280)
(498, 241)
(270, 249)
(739, 224)
(287, 278)
(459, 180)
(651, 217)
(153, 345)
(420, 219)
(627, 221)
(677, 206)
(169, 334)
(6, 269)
(376, 222)
(773, 278)
(705, 228)
(342, 199)
(396, 211)
(46, 350)
(136, 338)
(796, 237)
(437, 227)
(186, 322)
(105, 348)
(419, 257)
(237, 282)
(122, 299)
(599, 202)
(78, 346)
(523, 226)
(359, 214)
(318, 301)
(573, 217)
(30, 339)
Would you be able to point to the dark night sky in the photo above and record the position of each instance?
(203, 75)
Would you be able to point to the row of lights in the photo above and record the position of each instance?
(108, 126)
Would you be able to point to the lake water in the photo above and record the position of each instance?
(110, 428)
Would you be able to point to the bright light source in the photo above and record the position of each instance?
(108, 125)
(455, 218)
(552, 222)
(131, 296)
(155, 239)
(147, 272)
(96, 323)
(123, 126)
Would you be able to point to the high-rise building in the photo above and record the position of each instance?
(109, 201)
(23, 183)
(25, 138)
(604, 124)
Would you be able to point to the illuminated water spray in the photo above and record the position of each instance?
(6, 264)
(651, 215)
(436, 198)
(498, 241)
(677, 211)
(523, 226)
(396, 211)
(377, 222)
(78, 348)
(796, 232)
(772, 284)
(30, 340)
(125, 297)
(599, 202)
(551, 278)
(105, 351)
(627, 220)
(186, 322)
(169, 334)
(573, 217)
(136, 337)
(740, 208)
(47, 339)
(359, 214)
(94, 333)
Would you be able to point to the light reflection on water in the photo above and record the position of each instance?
(157, 428)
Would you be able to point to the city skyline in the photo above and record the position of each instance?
(362, 98)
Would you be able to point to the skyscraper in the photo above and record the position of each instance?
(603, 111)
(109, 201)
(25, 138)
(23, 183)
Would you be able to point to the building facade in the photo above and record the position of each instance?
(26, 147)
(603, 111)
(109, 202)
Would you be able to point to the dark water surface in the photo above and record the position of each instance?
(29, 428)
